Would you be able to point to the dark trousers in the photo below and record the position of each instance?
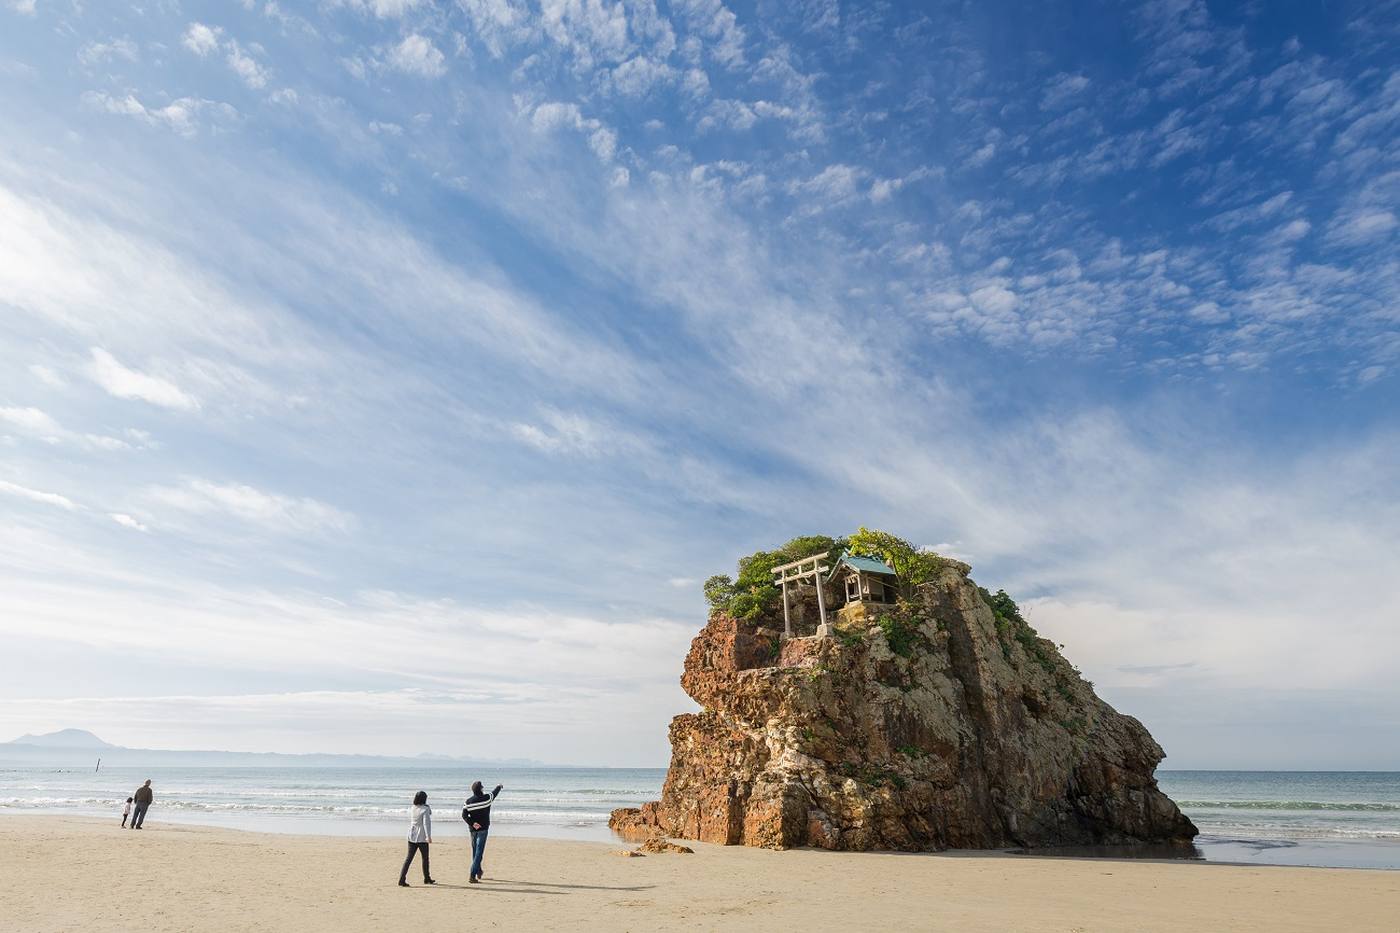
(138, 816)
(408, 860)
(124, 819)
(478, 850)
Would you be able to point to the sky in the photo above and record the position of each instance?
(385, 375)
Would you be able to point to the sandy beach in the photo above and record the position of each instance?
(60, 873)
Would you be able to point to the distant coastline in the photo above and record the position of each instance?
(76, 747)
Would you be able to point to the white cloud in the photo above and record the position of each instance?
(1360, 226)
(32, 421)
(733, 114)
(553, 114)
(592, 30)
(35, 495)
(47, 376)
(386, 9)
(498, 22)
(201, 39)
(715, 22)
(246, 67)
(181, 115)
(97, 52)
(122, 382)
(417, 55)
(23, 7)
(981, 156)
(1251, 214)
(41, 425)
(572, 434)
(882, 189)
(832, 185)
(636, 77)
(127, 521)
(270, 511)
(1369, 374)
(1061, 89)
(994, 299)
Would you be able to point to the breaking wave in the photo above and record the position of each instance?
(1301, 806)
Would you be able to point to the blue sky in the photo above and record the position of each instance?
(384, 376)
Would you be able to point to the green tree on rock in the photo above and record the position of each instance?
(913, 565)
(753, 593)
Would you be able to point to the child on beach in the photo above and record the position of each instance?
(420, 835)
(126, 811)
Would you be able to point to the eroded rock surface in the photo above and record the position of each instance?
(947, 727)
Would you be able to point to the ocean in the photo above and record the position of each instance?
(566, 803)
(1336, 818)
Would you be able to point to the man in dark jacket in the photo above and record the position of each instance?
(477, 813)
(142, 798)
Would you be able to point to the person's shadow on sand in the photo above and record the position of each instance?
(529, 887)
(581, 887)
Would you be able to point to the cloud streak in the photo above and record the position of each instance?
(127, 383)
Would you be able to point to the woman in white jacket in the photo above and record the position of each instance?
(420, 834)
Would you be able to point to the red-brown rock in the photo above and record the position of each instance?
(974, 736)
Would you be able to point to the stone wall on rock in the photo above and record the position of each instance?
(939, 725)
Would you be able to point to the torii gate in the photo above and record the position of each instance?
(796, 572)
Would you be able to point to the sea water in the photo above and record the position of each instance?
(1338, 818)
(1342, 819)
(569, 803)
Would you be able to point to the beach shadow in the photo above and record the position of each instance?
(462, 887)
(579, 887)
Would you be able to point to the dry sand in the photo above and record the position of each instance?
(59, 873)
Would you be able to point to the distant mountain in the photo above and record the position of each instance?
(75, 746)
(64, 738)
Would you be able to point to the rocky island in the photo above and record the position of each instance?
(885, 701)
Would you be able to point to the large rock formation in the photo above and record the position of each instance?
(938, 724)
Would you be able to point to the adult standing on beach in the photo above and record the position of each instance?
(477, 813)
(420, 836)
(142, 798)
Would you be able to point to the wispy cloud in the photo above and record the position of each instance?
(37, 495)
(127, 521)
(269, 511)
(183, 115)
(127, 383)
(248, 69)
(41, 425)
(95, 53)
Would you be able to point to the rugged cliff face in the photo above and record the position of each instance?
(940, 724)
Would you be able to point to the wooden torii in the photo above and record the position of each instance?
(808, 567)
